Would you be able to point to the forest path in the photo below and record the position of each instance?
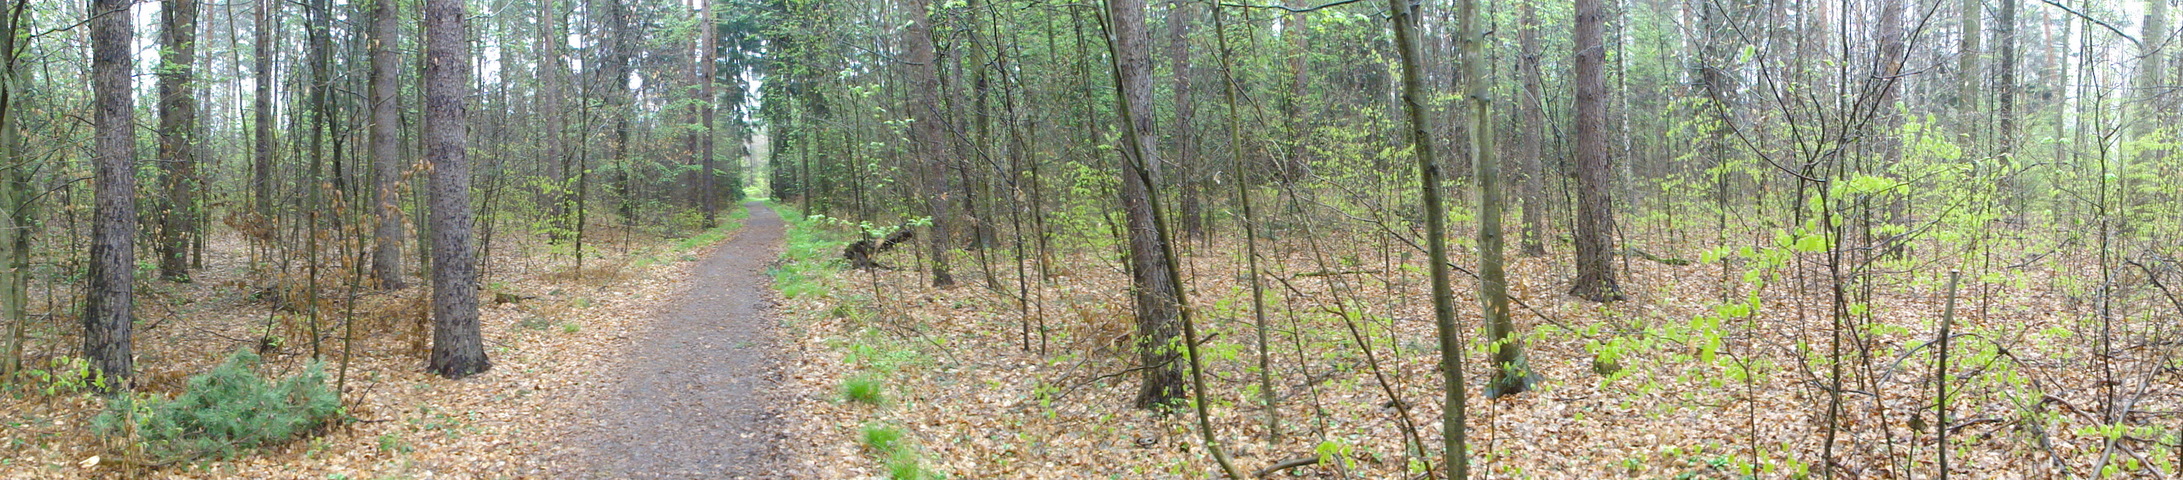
(694, 397)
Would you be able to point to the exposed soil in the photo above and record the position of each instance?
(694, 398)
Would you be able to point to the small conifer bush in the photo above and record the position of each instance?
(227, 410)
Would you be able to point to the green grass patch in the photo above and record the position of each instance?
(902, 460)
(866, 389)
(810, 253)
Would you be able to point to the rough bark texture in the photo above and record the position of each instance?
(1153, 289)
(930, 140)
(106, 316)
(1186, 159)
(1595, 279)
(177, 137)
(261, 163)
(458, 349)
(1455, 435)
(385, 144)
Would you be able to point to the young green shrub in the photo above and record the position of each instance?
(864, 389)
(224, 411)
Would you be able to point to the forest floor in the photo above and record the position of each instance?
(568, 351)
(1017, 374)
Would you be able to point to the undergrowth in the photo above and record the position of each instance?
(811, 255)
(225, 411)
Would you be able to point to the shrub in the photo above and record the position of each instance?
(224, 411)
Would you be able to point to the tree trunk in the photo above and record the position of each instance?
(709, 186)
(2005, 80)
(1186, 159)
(1153, 289)
(1454, 438)
(106, 316)
(16, 195)
(1595, 279)
(261, 171)
(458, 349)
(1512, 372)
(931, 144)
(177, 137)
(1531, 105)
(385, 144)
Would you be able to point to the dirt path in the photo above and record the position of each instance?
(694, 397)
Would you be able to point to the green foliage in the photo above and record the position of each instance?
(865, 389)
(62, 376)
(224, 411)
(902, 460)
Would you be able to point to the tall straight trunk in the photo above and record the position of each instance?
(1531, 109)
(107, 311)
(1186, 159)
(929, 139)
(1296, 28)
(2148, 85)
(552, 73)
(1455, 435)
(261, 165)
(1595, 279)
(1153, 289)
(1512, 373)
(16, 195)
(2005, 78)
(385, 144)
(458, 349)
(1968, 75)
(708, 47)
(177, 137)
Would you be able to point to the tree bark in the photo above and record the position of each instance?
(458, 349)
(177, 137)
(1153, 289)
(107, 313)
(1512, 373)
(1595, 279)
(261, 171)
(930, 140)
(1454, 437)
(1531, 107)
(16, 195)
(385, 144)
(1186, 159)
(708, 46)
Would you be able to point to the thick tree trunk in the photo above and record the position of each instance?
(1595, 279)
(1153, 289)
(177, 137)
(107, 313)
(385, 144)
(458, 349)
(930, 140)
